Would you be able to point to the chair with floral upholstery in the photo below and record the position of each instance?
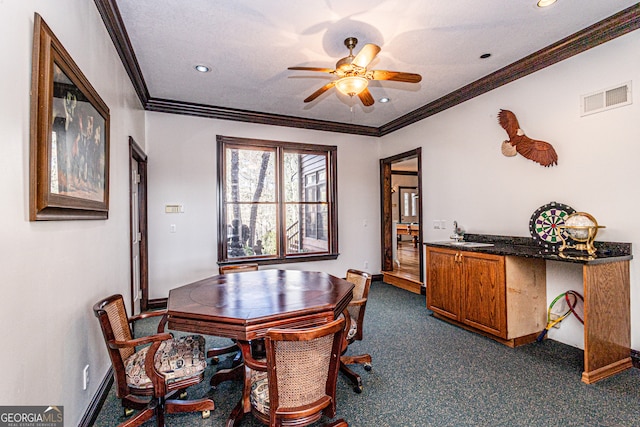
(149, 378)
(296, 384)
(356, 309)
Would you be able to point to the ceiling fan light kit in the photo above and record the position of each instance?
(353, 76)
(352, 85)
(545, 3)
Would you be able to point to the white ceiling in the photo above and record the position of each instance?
(250, 43)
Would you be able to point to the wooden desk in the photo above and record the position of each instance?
(244, 306)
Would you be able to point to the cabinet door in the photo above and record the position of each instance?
(443, 282)
(483, 303)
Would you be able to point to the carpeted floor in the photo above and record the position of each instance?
(429, 373)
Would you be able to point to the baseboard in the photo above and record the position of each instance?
(635, 358)
(156, 304)
(91, 414)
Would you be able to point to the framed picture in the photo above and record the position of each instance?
(69, 151)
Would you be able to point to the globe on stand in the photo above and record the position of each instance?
(582, 228)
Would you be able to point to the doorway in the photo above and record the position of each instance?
(402, 225)
(138, 228)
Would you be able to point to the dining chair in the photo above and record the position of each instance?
(356, 310)
(150, 378)
(296, 384)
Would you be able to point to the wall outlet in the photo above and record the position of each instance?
(85, 377)
(436, 224)
(443, 224)
(366, 265)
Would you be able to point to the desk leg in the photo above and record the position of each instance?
(607, 322)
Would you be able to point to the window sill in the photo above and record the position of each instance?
(288, 260)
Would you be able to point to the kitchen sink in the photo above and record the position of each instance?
(466, 244)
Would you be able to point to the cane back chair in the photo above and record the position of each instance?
(356, 309)
(296, 384)
(148, 379)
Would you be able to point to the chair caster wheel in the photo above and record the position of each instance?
(128, 412)
(357, 389)
(215, 360)
(367, 367)
(183, 395)
(206, 414)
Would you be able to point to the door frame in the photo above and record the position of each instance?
(136, 153)
(386, 208)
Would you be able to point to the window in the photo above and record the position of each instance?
(277, 201)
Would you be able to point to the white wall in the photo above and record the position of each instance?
(53, 272)
(466, 178)
(182, 169)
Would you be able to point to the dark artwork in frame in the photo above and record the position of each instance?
(69, 156)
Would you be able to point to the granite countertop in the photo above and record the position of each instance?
(527, 247)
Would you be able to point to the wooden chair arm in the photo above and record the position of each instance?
(157, 379)
(347, 325)
(140, 341)
(252, 363)
(147, 315)
(358, 302)
(161, 324)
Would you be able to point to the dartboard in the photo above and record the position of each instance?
(544, 223)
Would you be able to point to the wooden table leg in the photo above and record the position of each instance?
(235, 373)
(244, 405)
(607, 320)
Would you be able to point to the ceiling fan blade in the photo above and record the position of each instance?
(322, 70)
(366, 98)
(366, 55)
(320, 91)
(396, 76)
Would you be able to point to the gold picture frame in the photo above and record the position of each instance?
(69, 147)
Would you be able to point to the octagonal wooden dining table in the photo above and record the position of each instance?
(243, 306)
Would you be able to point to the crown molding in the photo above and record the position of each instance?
(213, 112)
(601, 32)
(621, 23)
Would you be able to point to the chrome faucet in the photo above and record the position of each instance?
(458, 232)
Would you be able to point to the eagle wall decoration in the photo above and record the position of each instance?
(538, 151)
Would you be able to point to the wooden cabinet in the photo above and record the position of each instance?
(502, 297)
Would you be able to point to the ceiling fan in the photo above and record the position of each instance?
(353, 76)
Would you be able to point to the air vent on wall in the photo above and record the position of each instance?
(606, 99)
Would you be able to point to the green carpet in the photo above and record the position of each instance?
(429, 373)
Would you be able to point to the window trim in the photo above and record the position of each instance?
(279, 146)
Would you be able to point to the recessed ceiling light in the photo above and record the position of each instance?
(202, 68)
(545, 3)
(485, 55)
(385, 99)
